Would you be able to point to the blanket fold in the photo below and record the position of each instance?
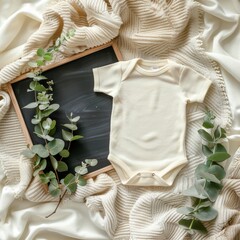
(148, 29)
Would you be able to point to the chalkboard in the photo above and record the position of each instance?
(73, 90)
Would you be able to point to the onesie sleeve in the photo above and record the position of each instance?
(107, 79)
(193, 84)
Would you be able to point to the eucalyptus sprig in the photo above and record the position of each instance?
(209, 176)
(52, 150)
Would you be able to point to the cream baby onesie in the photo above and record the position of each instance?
(148, 122)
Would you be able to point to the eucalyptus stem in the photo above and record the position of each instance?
(59, 202)
(209, 176)
(54, 150)
(191, 224)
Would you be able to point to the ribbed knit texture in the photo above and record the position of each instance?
(4, 103)
(152, 30)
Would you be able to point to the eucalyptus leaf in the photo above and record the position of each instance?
(47, 137)
(40, 52)
(37, 161)
(88, 161)
(219, 156)
(84, 164)
(206, 214)
(205, 135)
(70, 183)
(51, 175)
(52, 108)
(54, 162)
(40, 150)
(53, 124)
(46, 178)
(76, 137)
(202, 171)
(219, 148)
(206, 150)
(207, 124)
(81, 181)
(185, 223)
(35, 121)
(223, 133)
(28, 153)
(81, 170)
(208, 120)
(72, 127)
(31, 105)
(43, 100)
(42, 166)
(53, 188)
(192, 192)
(203, 204)
(64, 153)
(212, 189)
(31, 75)
(36, 86)
(53, 130)
(67, 136)
(199, 227)
(185, 210)
(91, 162)
(193, 224)
(39, 78)
(43, 106)
(94, 162)
(47, 124)
(75, 119)
(40, 63)
(217, 132)
(69, 179)
(36, 172)
(62, 166)
(55, 146)
(223, 130)
(199, 185)
(210, 115)
(218, 171)
(47, 56)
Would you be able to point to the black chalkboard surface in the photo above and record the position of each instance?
(73, 90)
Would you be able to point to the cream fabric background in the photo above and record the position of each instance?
(21, 16)
(221, 41)
(24, 219)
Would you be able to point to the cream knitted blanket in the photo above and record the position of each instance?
(148, 29)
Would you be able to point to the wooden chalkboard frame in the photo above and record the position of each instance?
(23, 77)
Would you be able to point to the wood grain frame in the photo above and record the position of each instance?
(51, 66)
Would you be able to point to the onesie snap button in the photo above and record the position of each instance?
(153, 174)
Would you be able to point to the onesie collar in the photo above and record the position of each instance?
(162, 65)
(151, 67)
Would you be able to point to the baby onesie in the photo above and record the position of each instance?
(148, 121)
